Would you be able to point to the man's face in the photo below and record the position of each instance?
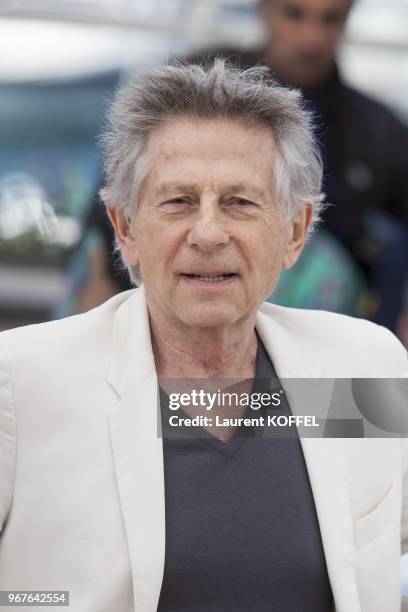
(208, 234)
(303, 37)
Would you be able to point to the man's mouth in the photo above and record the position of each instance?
(210, 278)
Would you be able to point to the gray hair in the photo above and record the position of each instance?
(216, 91)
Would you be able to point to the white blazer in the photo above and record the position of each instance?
(81, 464)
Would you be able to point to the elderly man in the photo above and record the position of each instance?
(212, 183)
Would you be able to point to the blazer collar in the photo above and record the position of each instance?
(138, 454)
(137, 448)
(132, 358)
(280, 342)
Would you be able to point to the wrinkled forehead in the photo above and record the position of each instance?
(228, 152)
(200, 129)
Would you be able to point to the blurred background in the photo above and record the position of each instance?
(61, 62)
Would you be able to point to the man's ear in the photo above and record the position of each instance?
(297, 235)
(124, 233)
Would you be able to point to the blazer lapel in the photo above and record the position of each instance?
(137, 449)
(326, 461)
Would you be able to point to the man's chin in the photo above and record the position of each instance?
(309, 77)
(209, 318)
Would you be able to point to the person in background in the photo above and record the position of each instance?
(365, 151)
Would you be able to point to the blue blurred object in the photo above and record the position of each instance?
(325, 278)
(389, 241)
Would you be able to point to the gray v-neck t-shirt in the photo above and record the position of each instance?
(242, 533)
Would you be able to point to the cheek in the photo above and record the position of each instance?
(265, 255)
(274, 256)
(158, 245)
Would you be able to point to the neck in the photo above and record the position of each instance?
(204, 352)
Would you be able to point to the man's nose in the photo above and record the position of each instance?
(209, 230)
(312, 35)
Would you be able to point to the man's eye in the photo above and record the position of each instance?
(294, 13)
(242, 202)
(178, 201)
(332, 19)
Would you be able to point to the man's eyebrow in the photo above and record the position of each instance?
(190, 188)
(172, 188)
(246, 188)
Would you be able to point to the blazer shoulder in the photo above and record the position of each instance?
(86, 329)
(344, 337)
